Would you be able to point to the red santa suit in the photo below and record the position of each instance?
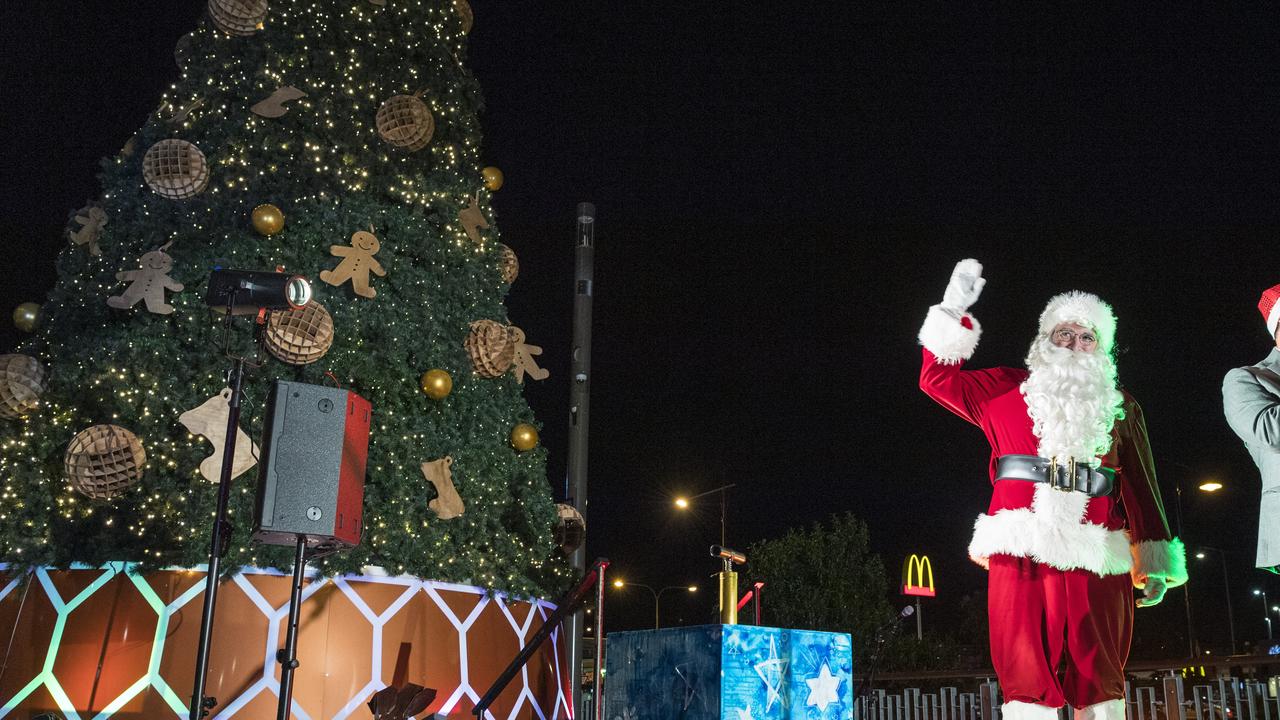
(1061, 564)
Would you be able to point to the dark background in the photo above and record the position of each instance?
(782, 190)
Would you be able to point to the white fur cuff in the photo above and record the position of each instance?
(944, 336)
(1051, 531)
(1105, 710)
(1162, 558)
(1018, 710)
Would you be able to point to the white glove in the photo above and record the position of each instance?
(964, 288)
(1153, 592)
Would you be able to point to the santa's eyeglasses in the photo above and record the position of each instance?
(1067, 336)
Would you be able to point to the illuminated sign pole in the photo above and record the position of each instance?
(917, 581)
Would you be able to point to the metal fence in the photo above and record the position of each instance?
(1225, 698)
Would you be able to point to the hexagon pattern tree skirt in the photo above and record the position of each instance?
(105, 643)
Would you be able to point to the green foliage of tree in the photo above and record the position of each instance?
(825, 577)
(325, 165)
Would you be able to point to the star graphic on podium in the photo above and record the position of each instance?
(770, 671)
(823, 689)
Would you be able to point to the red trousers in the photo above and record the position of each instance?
(1037, 611)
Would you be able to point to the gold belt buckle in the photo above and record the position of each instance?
(1070, 484)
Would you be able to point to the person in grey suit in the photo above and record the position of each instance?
(1251, 401)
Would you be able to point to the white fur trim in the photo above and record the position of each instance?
(1081, 308)
(1018, 710)
(1105, 710)
(1162, 558)
(944, 336)
(1273, 319)
(1052, 531)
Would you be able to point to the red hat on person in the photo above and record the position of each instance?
(1269, 308)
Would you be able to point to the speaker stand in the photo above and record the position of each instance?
(288, 655)
(218, 543)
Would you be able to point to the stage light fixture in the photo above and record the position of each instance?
(245, 292)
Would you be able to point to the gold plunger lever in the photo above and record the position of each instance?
(728, 582)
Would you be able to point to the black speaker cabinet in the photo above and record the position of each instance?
(311, 474)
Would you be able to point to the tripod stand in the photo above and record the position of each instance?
(288, 655)
(220, 538)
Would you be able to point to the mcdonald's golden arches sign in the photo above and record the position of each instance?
(917, 576)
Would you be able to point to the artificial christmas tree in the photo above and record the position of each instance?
(325, 162)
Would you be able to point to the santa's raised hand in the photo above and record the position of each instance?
(965, 287)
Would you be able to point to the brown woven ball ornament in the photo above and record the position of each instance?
(570, 529)
(21, 382)
(175, 169)
(238, 17)
(491, 348)
(103, 461)
(300, 337)
(406, 122)
(508, 263)
(463, 8)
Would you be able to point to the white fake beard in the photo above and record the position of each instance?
(1072, 399)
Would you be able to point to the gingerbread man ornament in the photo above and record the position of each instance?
(524, 362)
(148, 283)
(357, 263)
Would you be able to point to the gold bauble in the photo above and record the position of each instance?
(524, 437)
(492, 177)
(26, 317)
(267, 219)
(436, 383)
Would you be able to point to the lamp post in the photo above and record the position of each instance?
(684, 502)
(1205, 486)
(1226, 584)
(1266, 613)
(657, 594)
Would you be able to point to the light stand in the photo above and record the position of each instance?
(235, 293)
(288, 655)
(221, 536)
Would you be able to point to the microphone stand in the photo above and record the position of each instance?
(883, 634)
(220, 538)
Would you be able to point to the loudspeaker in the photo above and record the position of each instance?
(311, 476)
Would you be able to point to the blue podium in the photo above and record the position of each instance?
(728, 672)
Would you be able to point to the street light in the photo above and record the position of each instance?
(683, 503)
(1265, 615)
(657, 594)
(1207, 486)
(1226, 584)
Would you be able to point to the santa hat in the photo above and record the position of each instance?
(1270, 309)
(1085, 309)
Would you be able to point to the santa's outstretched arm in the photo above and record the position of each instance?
(949, 337)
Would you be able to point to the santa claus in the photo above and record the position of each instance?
(1075, 517)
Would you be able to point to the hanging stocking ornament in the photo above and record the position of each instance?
(210, 421)
(447, 504)
(472, 219)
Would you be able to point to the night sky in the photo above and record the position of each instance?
(782, 190)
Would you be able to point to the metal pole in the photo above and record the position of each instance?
(1266, 614)
(724, 513)
(579, 404)
(1186, 586)
(220, 537)
(597, 677)
(1226, 583)
(288, 655)
(919, 620)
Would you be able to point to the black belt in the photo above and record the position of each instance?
(1094, 482)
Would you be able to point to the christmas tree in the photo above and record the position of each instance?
(338, 139)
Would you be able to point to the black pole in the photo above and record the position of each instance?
(288, 656)
(565, 607)
(221, 536)
(579, 404)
